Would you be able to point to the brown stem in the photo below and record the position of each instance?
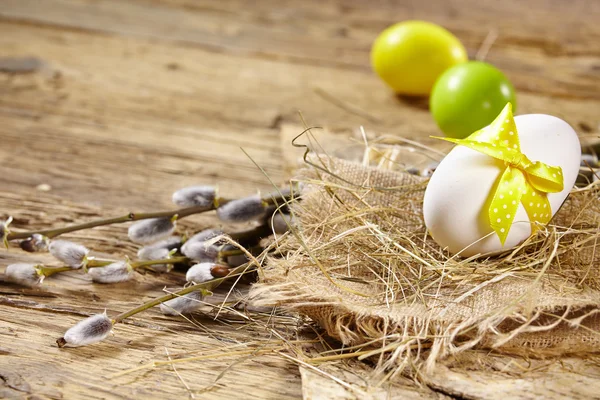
(132, 216)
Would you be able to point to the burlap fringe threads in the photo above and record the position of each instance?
(362, 266)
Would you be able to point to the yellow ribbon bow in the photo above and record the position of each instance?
(522, 180)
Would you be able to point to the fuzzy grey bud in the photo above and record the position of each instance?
(200, 251)
(242, 210)
(205, 235)
(4, 231)
(151, 230)
(170, 243)
(413, 171)
(35, 243)
(294, 190)
(183, 304)
(207, 252)
(200, 272)
(206, 271)
(281, 222)
(23, 274)
(91, 330)
(153, 253)
(113, 273)
(150, 254)
(428, 170)
(72, 254)
(199, 196)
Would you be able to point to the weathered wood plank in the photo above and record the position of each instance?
(31, 358)
(553, 382)
(536, 39)
(123, 102)
(32, 320)
(321, 386)
(548, 76)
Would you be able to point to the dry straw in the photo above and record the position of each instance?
(363, 267)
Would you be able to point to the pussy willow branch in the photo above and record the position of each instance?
(132, 216)
(205, 286)
(172, 260)
(93, 263)
(49, 271)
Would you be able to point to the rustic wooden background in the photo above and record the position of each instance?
(110, 105)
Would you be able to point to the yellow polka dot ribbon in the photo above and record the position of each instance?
(522, 181)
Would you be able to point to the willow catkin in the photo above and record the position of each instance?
(150, 254)
(116, 272)
(205, 235)
(242, 210)
(197, 249)
(23, 274)
(4, 230)
(200, 272)
(91, 330)
(72, 254)
(200, 251)
(281, 222)
(169, 243)
(195, 196)
(292, 191)
(151, 230)
(182, 304)
(35, 243)
(153, 253)
(206, 271)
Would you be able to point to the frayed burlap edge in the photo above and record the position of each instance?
(548, 309)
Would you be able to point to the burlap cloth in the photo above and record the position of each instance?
(361, 265)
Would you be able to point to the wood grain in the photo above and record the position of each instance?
(107, 106)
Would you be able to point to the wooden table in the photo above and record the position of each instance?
(108, 106)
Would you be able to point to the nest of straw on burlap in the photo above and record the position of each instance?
(361, 264)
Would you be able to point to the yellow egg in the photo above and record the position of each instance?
(411, 55)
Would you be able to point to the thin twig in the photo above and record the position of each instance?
(204, 286)
(132, 216)
(135, 216)
(358, 391)
(178, 375)
(486, 45)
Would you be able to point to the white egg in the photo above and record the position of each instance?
(457, 197)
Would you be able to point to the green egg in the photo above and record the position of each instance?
(468, 96)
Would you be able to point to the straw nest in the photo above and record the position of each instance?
(361, 264)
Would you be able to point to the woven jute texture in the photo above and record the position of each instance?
(361, 265)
